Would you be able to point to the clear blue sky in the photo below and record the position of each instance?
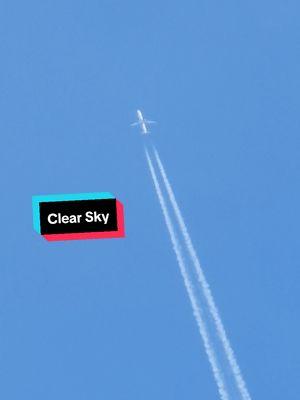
(110, 319)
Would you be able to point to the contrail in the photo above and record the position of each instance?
(205, 286)
(196, 311)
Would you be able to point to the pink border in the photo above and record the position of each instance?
(94, 235)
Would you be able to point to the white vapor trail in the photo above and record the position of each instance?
(189, 287)
(241, 385)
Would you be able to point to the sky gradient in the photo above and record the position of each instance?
(110, 319)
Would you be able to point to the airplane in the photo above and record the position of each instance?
(142, 122)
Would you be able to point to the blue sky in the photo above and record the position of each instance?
(110, 318)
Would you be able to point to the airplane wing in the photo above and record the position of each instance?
(150, 122)
(135, 123)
